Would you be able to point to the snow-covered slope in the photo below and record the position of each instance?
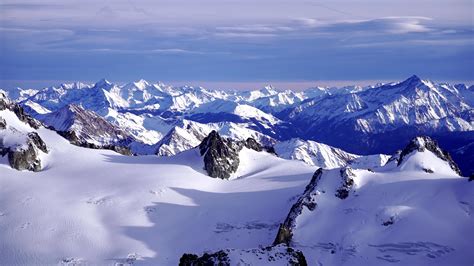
(325, 156)
(98, 207)
(314, 153)
(101, 208)
(379, 119)
(361, 120)
(416, 212)
(186, 134)
(84, 127)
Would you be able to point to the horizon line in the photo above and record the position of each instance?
(227, 85)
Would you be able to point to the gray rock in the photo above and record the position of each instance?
(279, 255)
(251, 143)
(285, 232)
(217, 258)
(347, 176)
(37, 141)
(423, 143)
(221, 156)
(3, 123)
(25, 158)
(5, 104)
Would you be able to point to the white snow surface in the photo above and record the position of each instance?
(393, 216)
(97, 207)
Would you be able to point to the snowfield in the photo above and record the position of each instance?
(98, 207)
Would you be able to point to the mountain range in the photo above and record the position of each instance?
(228, 200)
(165, 120)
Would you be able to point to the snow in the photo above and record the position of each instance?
(99, 207)
(400, 215)
(314, 153)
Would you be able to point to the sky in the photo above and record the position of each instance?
(235, 43)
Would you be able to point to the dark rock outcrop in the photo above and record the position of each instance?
(279, 254)
(423, 143)
(3, 123)
(221, 156)
(87, 129)
(347, 176)
(307, 200)
(5, 104)
(35, 139)
(217, 258)
(252, 144)
(23, 155)
(25, 158)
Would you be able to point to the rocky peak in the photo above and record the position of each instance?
(87, 129)
(347, 182)
(6, 103)
(221, 156)
(423, 143)
(251, 143)
(24, 155)
(3, 123)
(306, 200)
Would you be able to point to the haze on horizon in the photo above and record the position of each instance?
(235, 42)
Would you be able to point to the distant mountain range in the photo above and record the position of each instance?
(161, 119)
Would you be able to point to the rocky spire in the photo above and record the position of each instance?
(423, 143)
(221, 156)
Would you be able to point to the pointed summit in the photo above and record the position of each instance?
(221, 156)
(141, 84)
(423, 143)
(102, 83)
(413, 80)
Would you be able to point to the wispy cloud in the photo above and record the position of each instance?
(308, 39)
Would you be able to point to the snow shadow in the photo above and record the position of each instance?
(212, 221)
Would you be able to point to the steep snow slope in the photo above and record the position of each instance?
(325, 156)
(188, 134)
(416, 213)
(102, 208)
(84, 127)
(313, 153)
(382, 118)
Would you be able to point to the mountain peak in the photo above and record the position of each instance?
(269, 90)
(221, 156)
(142, 84)
(423, 143)
(101, 83)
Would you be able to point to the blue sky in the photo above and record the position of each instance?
(235, 42)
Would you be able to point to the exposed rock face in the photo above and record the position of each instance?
(5, 103)
(35, 139)
(280, 255)
(26, 157)
(426, 143)
(3, 123)
(285, 233)
(395, 157)
(87, 129)
(217, 258)
(221, 156)
(251, 143)
(347, 183)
